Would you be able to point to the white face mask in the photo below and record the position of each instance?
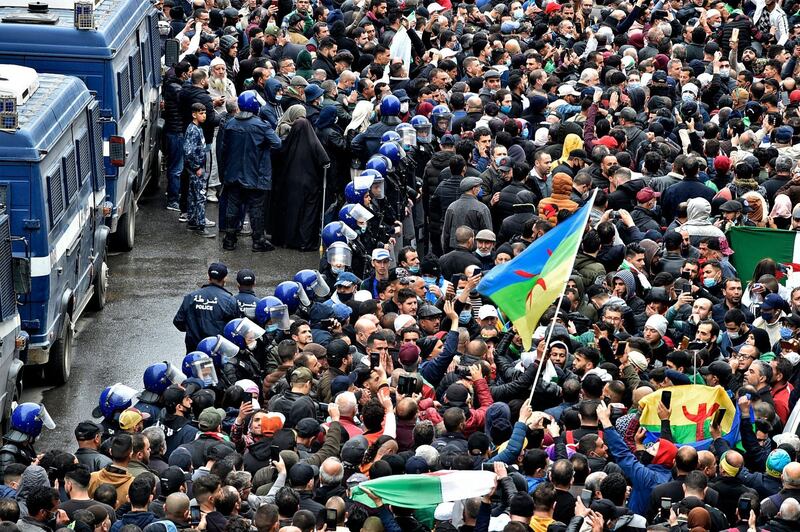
(404, 107)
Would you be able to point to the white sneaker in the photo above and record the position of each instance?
(210, 223)
(183, 218)
(212, 198)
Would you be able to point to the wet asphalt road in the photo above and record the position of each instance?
(135, 329)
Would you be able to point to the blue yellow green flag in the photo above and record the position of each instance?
(525, 286)
(693, 407)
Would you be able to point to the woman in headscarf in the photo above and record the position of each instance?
(759, 208)
(332, 138)
(698, 520)
(288, 119)
(781, 213)
(358, 124)
(298, 193)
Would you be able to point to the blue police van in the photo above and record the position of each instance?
(12, 339)
(51, 170)
(115, 48)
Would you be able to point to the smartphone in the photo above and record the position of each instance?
(757, 286)
(586, 497)
(477, 271)
(735, 34)
(666, 399)
(488, 467)
(686, 275)
(745, 505)
(330, 519)
(327, 323)
(546, 422)
(374, 359)
(620, 349)
(274, 451)
(455, 279)
(718, 417)
(406, 385)
(172, 51)
(194, 515)
(247, 397)
(666, 503)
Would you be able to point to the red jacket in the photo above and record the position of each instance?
(780, 396)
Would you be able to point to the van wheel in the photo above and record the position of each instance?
(123, 239)
(59, 366)
(100, 283)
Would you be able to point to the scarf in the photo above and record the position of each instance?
(360, 121)
(289, 118)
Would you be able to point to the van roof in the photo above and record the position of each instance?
(114, 20)
(44, 117)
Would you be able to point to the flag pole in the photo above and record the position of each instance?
(558, 309)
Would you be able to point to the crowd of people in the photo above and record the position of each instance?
(421, 146)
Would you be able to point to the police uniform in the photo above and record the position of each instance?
(246, 298)
(206, 311)
(16, 449)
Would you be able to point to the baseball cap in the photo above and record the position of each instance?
(784, 134)
(505, 164)
(646, 194)
(773, 301)
(217, 271)
(794, 96)
(307, 427)
(272, 422)
(638, 360)
(552, 7)
(567, 90)
(210, 418)
(301, 474)
(792, 319)
(486, 235)
(172, 479)
(131, 417)
(447, 140)
(272, 30)
(346, 279)
(246, 276)
(579, 153)
(627, 113)
(380, 254)
(301, 375)
(718, 368)
(353, 450)
(87, 430)
(677, 377)
(487, 311)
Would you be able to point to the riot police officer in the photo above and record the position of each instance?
(367, 143)
(156, 378)
(245, 365)
(113, 400)
(205, 312)
(27, 421)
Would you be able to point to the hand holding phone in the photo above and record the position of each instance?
(666, 399)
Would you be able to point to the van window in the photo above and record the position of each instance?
(70, 176)
(97, 130)
(83, 149)
(155, 49)
(124, 88)
(55, 194)
(135, 61)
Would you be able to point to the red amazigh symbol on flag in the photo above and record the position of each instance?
(539, 281)
(700, 417)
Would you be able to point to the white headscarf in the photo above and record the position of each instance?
(360, 120)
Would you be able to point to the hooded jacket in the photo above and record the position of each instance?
(271, 111)
(636, 304)
(562, 188)
(140, 519)
(588, 267)
(117, 477)
(698, 224)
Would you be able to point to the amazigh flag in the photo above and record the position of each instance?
(693, 408)
(751, 244)
(424, 491)
(524, 287)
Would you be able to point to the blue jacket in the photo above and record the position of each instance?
(205, 312)
(246, 159)
(514, 447)
(433, 370)
(271, 111)
(140, 519)
(643, 478)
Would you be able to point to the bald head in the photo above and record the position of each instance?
(476, 348)
(474, 103)
(365, 326)
(640, 393)
(346, 401)
(336, 503)
(176, 506)
(706, 460)
(791, 476)
(406, 409)
(790, 510)
(331, 472)
(372, 524)
(686, 459)
(734, 458)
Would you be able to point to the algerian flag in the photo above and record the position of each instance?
(751, 244)
(424, 491)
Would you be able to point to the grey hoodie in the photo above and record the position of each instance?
(698, 223)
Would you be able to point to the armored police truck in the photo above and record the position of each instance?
(51, 188)
(114, 47)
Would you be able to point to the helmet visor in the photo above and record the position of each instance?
(348, 233)
(321, 288)
(378, 189)
(423, 132)
(122, 393)
(279, 315)
(249, 331)
(174, 373)
(225, 347)
(44, 416)
(361, 214)
(302, 297)
(203, 369)
(339, 255)
(409, 136)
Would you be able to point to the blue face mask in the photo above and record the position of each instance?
(505, 109)
(688, 97)
(786, 333)
(337, 271)
(709, 282)
(429, 280)
(464, 317)
(414, 269)
(768, 316)
(278, 97)
(480, 193)
(525, 133)
(497, 160)
(272, 328)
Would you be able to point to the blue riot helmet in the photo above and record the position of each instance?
(371, 171)
(29, 418)
(188, 360)
(351, 195)
(408, 135)
(292, 295)
(390, 106)
(440, 118)
(272, 313)
(157, 377)
(201, 367)
(380, 163)
(423, 127)
(339, 256)
(390, 136)
(356, 217)
(114, 399)
(248, 102)
(313, 283)
(391, 150)
(356, 190)
(337, 232)
(243, 332)
(219, 348)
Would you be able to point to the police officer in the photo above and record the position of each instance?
(246, 279)
(156, 378)
(367, 143)
(205, 312)
(27, 421)
(248, 338)
(113, 400)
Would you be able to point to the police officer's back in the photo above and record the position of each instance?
(247, 299)
(205, 312)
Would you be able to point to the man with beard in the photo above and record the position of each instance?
(586, 359)
(732, 299)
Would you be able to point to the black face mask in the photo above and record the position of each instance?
(344, 298)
